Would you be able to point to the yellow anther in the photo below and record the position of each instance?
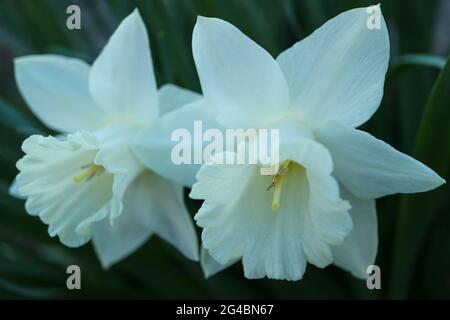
(88, 173)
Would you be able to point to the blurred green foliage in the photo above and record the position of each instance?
(414, 252)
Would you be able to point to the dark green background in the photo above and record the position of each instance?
(414, 252)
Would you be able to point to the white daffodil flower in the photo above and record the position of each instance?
(319, 207)
(89, 184)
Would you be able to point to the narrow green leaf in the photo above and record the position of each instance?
(415, 60)
(12, 117)
(31, 292)
(15, 221)
(416, 211)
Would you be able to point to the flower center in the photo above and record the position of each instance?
(88, 172)
(277, 183)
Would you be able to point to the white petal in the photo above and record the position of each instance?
(329, 213)
(172, 97)
(210, 266)
(370, 168)
(170, 219)
(338, 71)
(122, 79)
(269, 242)
(46, 178)
(238, 77)
(359, 249)
(154, 145)
(57, 91)
(56, 177)
(113, 243)
(14, 190)
(239, 221)
(116, 156)
(151, 205)
(218, 184)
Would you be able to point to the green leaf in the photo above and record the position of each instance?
(15, 222)
(433, 272)
(416, 211)
(11, 117)
(26, 291)
(415, 60)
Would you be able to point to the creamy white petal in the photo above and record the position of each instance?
(46, 178)
(154, 145)
(239, 221)
(172, 97)
(370, 168)
(338, 71)
(210, 266)
(151, 205)
(56, 89)
(359, 249)
(122, 80)
(238, 77)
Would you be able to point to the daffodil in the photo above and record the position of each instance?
(88, 183)
(318, 207)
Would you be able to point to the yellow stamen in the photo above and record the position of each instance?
(89, 172)
(278, 184)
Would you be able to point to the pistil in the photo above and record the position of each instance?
(278, 184)
(89, 171)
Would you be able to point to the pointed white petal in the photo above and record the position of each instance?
(172, 97)
(238, 77)
(122, 80)
(160, 206)
(370, 168)
(338, 71)
(113, 243)
(154, 145)
(210, 266)
(170, 218)
(359, 249)
(151, 205)
(57, 91)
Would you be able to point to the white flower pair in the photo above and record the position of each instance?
(111, 178)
